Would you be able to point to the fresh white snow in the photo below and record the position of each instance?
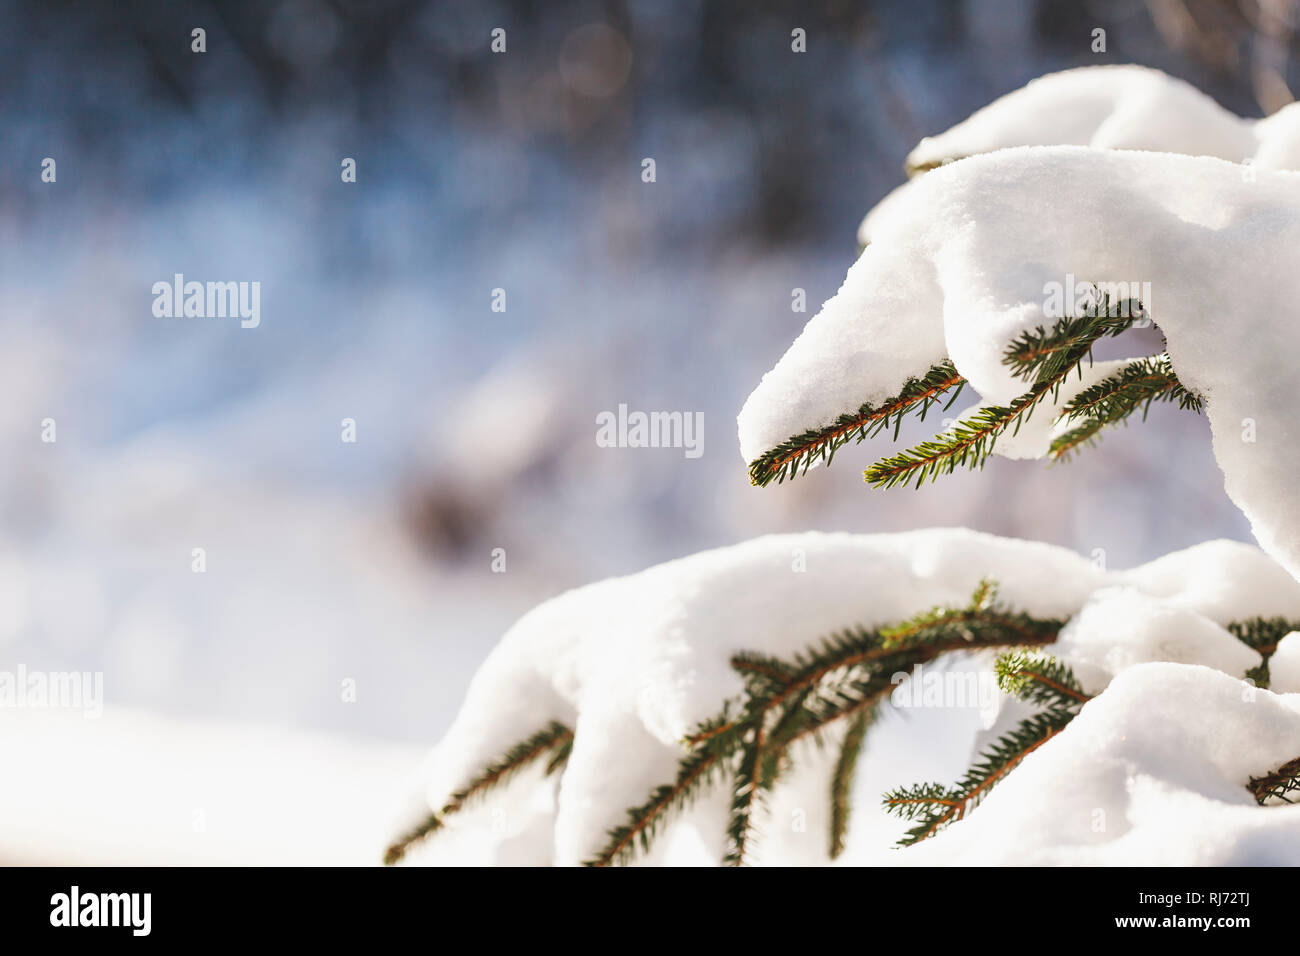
(1114, 107)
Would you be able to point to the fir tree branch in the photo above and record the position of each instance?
(1277, 784)
(1046, 358)
(1039, 679)
(749, 782)
(1043, 354)
(934, 806)
(969, 442)
(842, 780)
(1116, 397)
(718, 739)
(917, 395)
(555, 740)
(1137, 384)
(1068, 442)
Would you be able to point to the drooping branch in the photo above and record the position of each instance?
(845, 677)
(1116, 397)
(934, 806)
(1032, 677)
(787, 701)
(842, 780)
(555, 741)
(1043, 357)
(918, 395)
(1047, 358)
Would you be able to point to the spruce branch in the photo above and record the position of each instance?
(1047, 357)
(554, 741)
(1041, 355)
(1039, 679)
(1112, 400)
(969, 442)
(918, 395)
(1068, 442)
(1136, 385)
(842, 780)
(1280, 784)
(933, 806)
(844, 677)
(713, 741)
(749, 783)
(1034, 677)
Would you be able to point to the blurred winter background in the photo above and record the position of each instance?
(226, 735)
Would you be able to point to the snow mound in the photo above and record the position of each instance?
(1116, 107)
(634, 663)
(1284, 665)
(1120, 627)
(1150, 773)
(972, 257)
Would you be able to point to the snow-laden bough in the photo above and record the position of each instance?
(977, 254)
(628, 669)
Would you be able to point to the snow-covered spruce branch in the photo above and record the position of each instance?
(786, 701)
(799, 453)
(1035, 678)
(1115, 398)
(554, 742)
(1046, 357)
(934, 806)
(844, 678)
(846, 766)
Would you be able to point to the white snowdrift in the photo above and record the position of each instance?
(635, 663)
(1115, 107)
(968, 263)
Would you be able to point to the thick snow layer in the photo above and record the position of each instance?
(969, 263)
(634, 663)
(1150, 773)
(1284, 665)
(1117, 107)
